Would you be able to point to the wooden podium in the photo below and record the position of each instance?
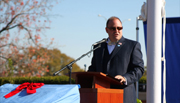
(95, 88)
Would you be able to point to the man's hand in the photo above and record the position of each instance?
(121, 78)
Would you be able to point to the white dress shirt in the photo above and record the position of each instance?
(111, 46)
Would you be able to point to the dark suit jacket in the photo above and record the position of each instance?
(126, 60)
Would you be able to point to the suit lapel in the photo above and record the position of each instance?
(118, 46)
(102, 50)
(101, 55)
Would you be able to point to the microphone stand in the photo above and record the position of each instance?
(69, 66)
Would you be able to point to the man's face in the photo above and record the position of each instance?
(114, 30)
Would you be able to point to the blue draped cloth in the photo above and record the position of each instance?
(45, 94)
(172, 55)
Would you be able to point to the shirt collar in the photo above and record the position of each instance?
(110, 43)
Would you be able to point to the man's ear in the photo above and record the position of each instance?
(106, 30)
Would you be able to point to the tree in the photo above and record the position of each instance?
(59, 60)
(22, 23)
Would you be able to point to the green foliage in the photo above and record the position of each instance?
(11, 68)
(142, 80)
(45, 80)
(145, 71)
(59, 60)
(139, 101)
(37, 65)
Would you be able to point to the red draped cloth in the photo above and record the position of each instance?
(30, 88)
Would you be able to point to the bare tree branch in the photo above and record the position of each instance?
(24, 52)
(8, 24)
(3, 57)
(30, 37)
(4, 45)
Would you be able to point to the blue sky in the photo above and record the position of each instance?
(78, 25)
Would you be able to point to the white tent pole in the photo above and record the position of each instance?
(154, 35)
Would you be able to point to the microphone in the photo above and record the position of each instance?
(103, 40)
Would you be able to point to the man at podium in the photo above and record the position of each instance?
(120, 58)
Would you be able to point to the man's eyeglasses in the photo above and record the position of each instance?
(114, 28)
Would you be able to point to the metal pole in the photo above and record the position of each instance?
(137, 39)
(154, 41)
(70, 70)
